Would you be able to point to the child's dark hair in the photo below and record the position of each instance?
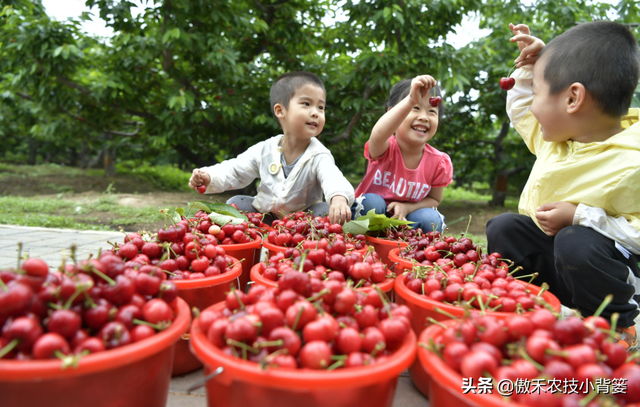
(287, 84)
(400, 91)
(601, 55)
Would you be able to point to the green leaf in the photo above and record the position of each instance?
(221, 209)
(222, 220)
(357, 227)
(381, 221)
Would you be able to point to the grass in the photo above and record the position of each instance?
(103, 214)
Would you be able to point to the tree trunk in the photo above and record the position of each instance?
(109, 157)
(33, 151)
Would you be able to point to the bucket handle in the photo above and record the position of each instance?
(205, 379)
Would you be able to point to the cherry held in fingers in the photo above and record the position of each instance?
(435, 101)
(202, 189)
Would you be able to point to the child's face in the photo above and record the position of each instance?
(549, 110)
(420, 125)
(304, 118)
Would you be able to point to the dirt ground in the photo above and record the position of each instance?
(129, 191)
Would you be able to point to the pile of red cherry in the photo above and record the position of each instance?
(190, 249)
(453, 271)
(88, 307)
(540, 346)
(303, 228)
(333, 263)
(403, 233)
(307, 323)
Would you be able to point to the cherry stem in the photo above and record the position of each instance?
(515, 269)
(436, 322)
(605, 303)
(468, 224)
(3, 286)
(319, 295)
(588, 399)
(298, 315)
(235, 294)
(19, 255)
(80, 288)
(303, 257)
(528, 358)
(385, 301)
(9, 347)
(380, 346)
(443, 312)
(336, 365)
(158, 327)
(265, 344)
(105, 277)
(243, 346)
(544, 287)
(614, 322)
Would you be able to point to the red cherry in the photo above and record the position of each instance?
(507, 83)
(435, 101)
(202, 189)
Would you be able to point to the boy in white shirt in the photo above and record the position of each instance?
(294, 168)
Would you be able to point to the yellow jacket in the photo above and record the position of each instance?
(602, 175)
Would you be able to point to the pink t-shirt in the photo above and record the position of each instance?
(388, 177)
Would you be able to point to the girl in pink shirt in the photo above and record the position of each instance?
(406, 176)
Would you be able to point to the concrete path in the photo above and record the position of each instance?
(49, 244)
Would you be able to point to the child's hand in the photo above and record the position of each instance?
(339, 211)
(199, 177)
(420, 87)
(555, 216)
(529, 45)
(400, 210)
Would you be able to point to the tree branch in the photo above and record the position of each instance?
(123, 134)
(356, 117)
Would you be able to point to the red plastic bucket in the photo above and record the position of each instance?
(423, 307)
(135, 375)
(445, 388)
(200, 293)
(383, 247)
(243, 383)
(256, 276)
(250, 252)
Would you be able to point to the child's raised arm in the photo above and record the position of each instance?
(529, 45)
(393, 118)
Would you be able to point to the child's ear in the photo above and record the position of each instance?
(279, 110)
(576, 96)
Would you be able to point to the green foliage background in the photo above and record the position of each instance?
(185, 83)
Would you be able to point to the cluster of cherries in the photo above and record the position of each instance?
(300, 227)
(255, 219)
(539, 346)
(402, 233)
(454, 271)
(190, 249)
(333, 263)
(88, 307)
(307, 323)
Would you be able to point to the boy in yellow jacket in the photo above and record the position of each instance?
(579, 221)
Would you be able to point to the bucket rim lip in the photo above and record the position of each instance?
(211, 281)
(423, 301)
(247, 371)
(242, 246)
(14, 371)
(445, 376)
(386, 242)
(386, 286)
